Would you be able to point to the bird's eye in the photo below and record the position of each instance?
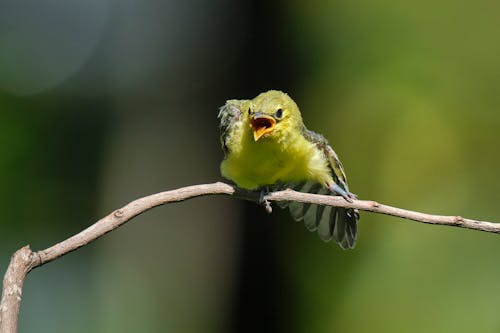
(279, 113)
(249, 111)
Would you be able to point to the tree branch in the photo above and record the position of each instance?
(24, 260)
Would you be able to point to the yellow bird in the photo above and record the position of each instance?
(267, 146)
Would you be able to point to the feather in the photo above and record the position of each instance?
(335, 223)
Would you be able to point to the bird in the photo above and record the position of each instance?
(267, 147)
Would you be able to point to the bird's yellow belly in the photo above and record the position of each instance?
(262, 165)
(269, 171)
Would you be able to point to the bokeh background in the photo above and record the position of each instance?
(104, 101)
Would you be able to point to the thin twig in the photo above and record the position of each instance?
(24, 260)
(375, 207)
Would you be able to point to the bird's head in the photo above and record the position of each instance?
(273, 114)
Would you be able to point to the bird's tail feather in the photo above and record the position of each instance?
(339, 224)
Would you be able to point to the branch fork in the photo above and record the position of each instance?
(24, 260)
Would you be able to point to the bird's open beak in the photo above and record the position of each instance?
(261, 124)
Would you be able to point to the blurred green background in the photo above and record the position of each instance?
(104, 101)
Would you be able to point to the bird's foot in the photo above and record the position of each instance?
(263, 201)
(348, 196)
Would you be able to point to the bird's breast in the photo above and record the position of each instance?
(266, 162)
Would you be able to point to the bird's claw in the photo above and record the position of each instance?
(263, 201)
(348, 196)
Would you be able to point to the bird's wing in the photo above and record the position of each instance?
(338, 172)
(330, 222)
(229, 114)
